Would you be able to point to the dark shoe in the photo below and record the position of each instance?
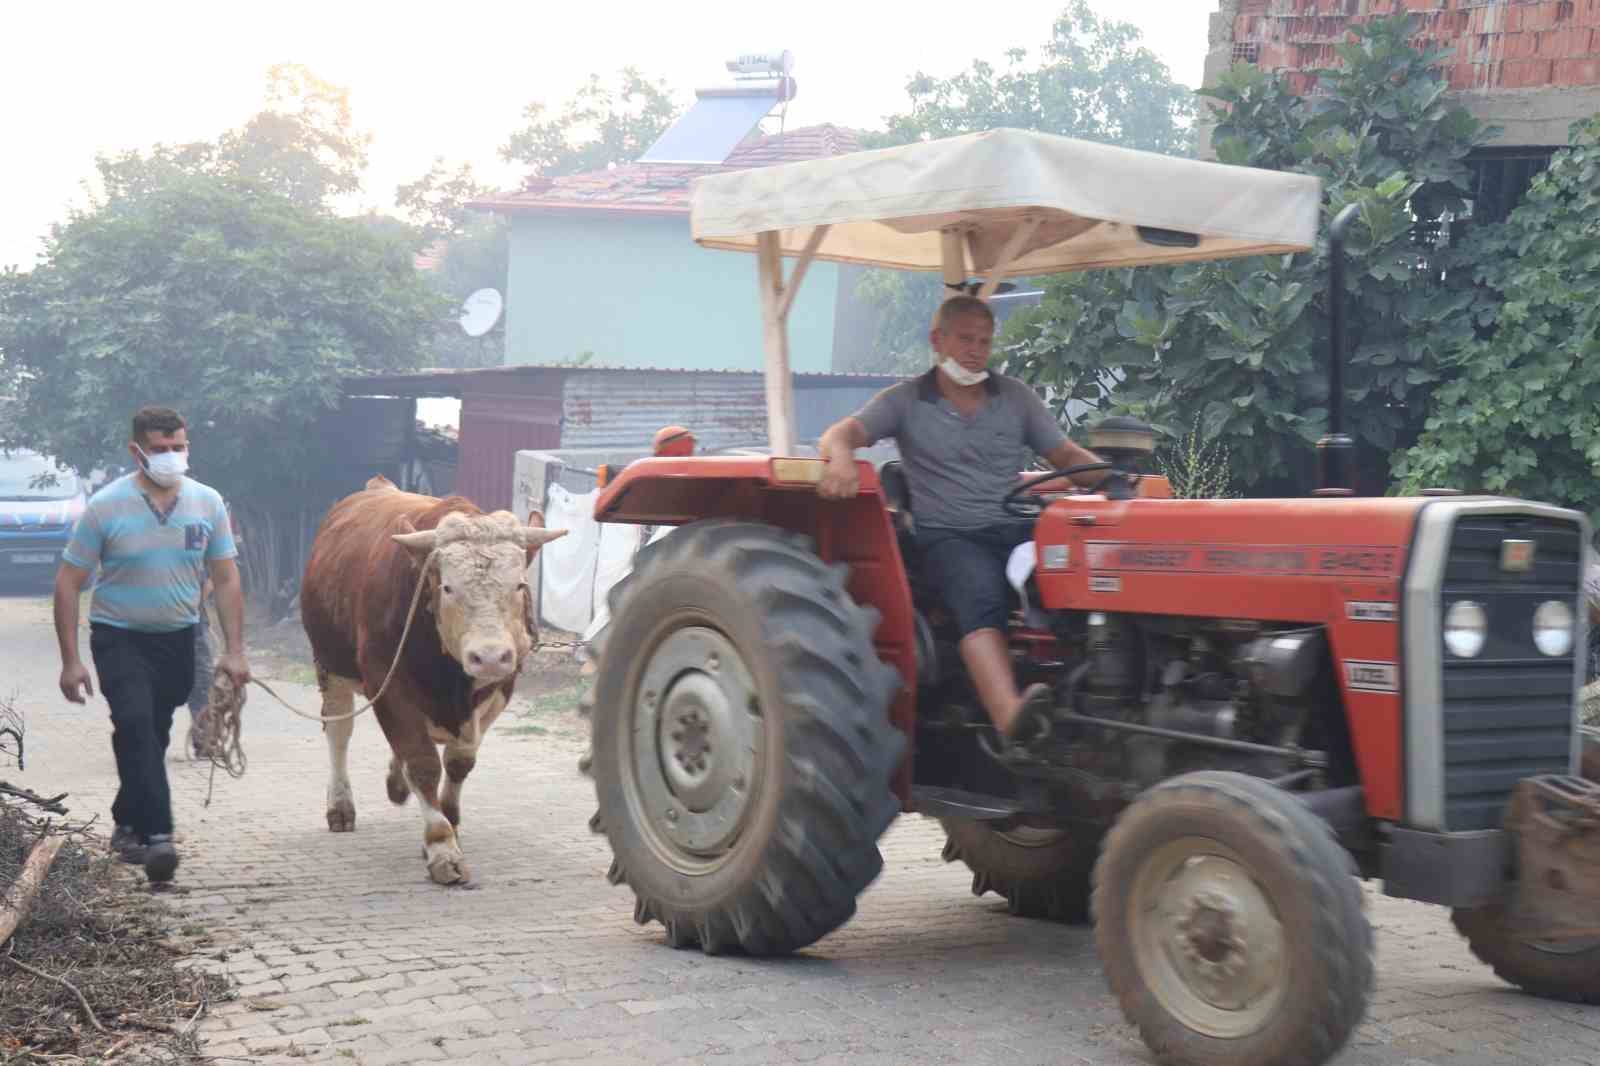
(1032, 723)
(160, 858)
(126, 846)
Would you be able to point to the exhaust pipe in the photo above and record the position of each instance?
(1336, 451)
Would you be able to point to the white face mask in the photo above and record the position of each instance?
(961, 375)
(165, 469)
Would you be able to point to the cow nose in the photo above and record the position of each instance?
(497, 659)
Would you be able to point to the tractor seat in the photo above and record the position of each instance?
(897, 497)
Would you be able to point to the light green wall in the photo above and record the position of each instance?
(639, 292)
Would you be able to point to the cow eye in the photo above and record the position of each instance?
(446, 589)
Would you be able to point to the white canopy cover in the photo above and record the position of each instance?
(1031, 203)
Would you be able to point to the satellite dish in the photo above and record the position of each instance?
(480, 311)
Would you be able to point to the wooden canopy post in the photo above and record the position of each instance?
(1008, 254)
(777, 299)
(953, 256)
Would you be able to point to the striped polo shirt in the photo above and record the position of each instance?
(148, 565)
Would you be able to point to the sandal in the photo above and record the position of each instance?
(1032, 721)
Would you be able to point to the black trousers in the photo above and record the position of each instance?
(145, 677)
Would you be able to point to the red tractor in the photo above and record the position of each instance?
(1258, 701)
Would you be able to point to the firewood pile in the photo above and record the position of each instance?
(93, 967)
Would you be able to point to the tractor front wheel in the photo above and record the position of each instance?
(742, 746)
(1565, 969)
(1040, 871)
(1230, 926)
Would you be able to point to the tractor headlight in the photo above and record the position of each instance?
(1552, 627)
(1466, 627)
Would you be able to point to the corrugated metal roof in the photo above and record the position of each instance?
(625, 410)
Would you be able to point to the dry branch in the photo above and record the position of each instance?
(12, 726)
(34, 871)
(51, 803)
(88, 1011)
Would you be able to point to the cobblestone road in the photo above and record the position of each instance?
(363, 960)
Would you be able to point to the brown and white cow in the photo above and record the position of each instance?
(470, 635)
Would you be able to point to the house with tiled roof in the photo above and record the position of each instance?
(602, 269)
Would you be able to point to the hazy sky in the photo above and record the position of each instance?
(436, 79)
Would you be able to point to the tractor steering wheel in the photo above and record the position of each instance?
(1015, 505)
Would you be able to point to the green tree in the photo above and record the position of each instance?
(1243, 343)
(436, 203)
(214, 277)
(223, 298)
(302, 145)
(601, 125)
(902, 306)
(1092, 79)
(475, 259)
(1520, 411)
(475, 252)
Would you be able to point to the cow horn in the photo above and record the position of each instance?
(417, 541)
(535, 537)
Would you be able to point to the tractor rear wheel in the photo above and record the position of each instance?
(742, 746)
(1041, 872)
(1230, 926)
(1565, 970)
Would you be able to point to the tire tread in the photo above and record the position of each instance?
(841, 747)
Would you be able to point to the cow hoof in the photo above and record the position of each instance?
(342, 818)
(395, 785)
(447, 871)
(585, 761)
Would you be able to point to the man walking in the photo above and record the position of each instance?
(149, 539)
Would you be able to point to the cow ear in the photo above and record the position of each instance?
(536, 518)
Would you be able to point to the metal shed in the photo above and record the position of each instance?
(509, 409)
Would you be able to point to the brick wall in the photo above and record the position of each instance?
(1497, 44)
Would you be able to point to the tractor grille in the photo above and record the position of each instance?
(1508, 713)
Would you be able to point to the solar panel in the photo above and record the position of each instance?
(710, 130)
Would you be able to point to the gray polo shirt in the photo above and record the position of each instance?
(148, 564)
(959, 468)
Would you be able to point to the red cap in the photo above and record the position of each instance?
(674, 440)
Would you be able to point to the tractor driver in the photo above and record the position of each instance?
(964, 433)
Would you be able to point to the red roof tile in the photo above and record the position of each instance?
(793, 146)
(663, 188)
(431, 257)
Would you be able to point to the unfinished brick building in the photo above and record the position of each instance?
(1531, 67)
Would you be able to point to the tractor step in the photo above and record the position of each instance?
(936, 802)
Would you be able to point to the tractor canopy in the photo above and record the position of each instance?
(1022, 203)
